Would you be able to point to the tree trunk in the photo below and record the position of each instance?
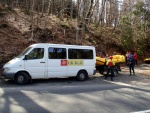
(10, 4)
(32, 21)
(88, 15)
(43, 6)
(101, 16)
(71, 11)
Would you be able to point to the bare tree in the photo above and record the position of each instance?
(101, 14)
(32, 20)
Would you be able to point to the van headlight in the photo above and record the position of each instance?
(7, 69)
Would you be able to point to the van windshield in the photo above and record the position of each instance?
(24, 52)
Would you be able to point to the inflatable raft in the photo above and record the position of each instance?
(100, 61)
(147, 60)
(116, 59)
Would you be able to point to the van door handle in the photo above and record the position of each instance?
(42, 62)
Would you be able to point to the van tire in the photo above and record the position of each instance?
(82, 75)
(21, 78)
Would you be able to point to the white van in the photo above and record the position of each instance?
(45, 60)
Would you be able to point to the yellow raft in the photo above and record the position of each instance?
(116, 59)
(147, 60)
(100, 61)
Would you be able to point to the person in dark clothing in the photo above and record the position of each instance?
(110, 65)
(131, 63)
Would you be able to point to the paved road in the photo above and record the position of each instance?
(96, 95)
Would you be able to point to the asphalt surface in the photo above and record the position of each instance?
(125, 94)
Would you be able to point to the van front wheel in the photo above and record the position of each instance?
(82, 75)
(21, 78)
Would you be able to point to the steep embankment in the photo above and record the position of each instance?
(16, 34)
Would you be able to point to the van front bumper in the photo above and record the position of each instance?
(8, 75)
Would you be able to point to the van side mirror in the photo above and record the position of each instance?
(25, 57)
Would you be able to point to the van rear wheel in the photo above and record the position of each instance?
(82, 75)
(21, 78)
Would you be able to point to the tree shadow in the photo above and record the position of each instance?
(58, 86)
(17, 101)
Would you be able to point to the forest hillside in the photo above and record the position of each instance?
(109, 26)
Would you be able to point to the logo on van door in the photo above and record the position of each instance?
(75, 62)
(64, 62)
(72, 62)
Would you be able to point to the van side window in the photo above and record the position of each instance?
(56, 53)
(36, 53)
(80, 53)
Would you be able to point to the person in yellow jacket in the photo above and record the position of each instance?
(110, 65)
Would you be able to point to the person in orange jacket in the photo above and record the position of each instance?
(110, 65)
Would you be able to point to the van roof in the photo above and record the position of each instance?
(47, 44)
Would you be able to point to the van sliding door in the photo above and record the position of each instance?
(57, 62)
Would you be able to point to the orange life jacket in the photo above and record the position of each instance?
(110, 63)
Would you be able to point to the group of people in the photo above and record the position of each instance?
(135, 56)
(131, 61)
